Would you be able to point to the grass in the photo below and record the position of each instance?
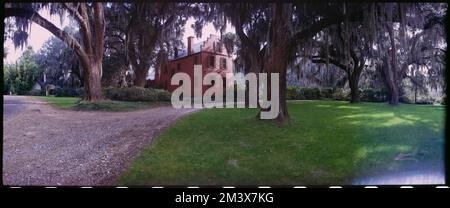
(107, 105)
(60, 102)
(328, 142)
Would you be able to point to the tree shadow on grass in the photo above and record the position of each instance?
(396, 145)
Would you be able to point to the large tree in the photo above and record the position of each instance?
(280, 29)
(405, 32)
(57, 59)
(90, 19)
(348, 50)
(150, 25)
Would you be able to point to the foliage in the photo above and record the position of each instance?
(68, 92)
(139, 31)
(136, 94)
(36, 92)
(305, 93)
(374, 95)
(60, 62)
(19, 78)
(115, 106)
(91, 21)
(114, 70)
(341, 94)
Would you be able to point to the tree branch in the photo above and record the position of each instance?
(38, 19)
(323, 60)
(99, 29)
(323, 23)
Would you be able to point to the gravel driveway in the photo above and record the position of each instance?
(45, 146)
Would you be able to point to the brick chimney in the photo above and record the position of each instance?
(189, 46)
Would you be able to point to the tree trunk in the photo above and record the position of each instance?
(394, 98)
(415, 94)
(392, 71)
(354, 90)
(92, 83)
(91, 55)
(278, 55)
(140, 76)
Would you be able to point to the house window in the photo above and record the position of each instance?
(223, 63)
(212, 61)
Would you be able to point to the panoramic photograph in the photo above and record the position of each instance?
(161, 94)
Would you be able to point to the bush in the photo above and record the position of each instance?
(291, 93)
(424, 102)
(163, 95)
(305, 93)
(310, 93)
(405, 99)
(340, 94)
(326, 92)
(373, 95)
(35, 92)
(80, 92)
(68, 92)
(136, 94)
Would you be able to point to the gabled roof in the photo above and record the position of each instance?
(197, 47)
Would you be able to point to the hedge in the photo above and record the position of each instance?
(68, 92)
(373, 95)
(136, 94)
(304, 93)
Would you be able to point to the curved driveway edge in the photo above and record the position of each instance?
(45, 146)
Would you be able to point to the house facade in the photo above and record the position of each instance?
(211, 54)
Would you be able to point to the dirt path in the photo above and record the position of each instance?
(48, 147)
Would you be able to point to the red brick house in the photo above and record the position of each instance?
(211, 54)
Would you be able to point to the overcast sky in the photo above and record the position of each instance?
(39, 35)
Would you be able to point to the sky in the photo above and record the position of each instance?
(38, 35)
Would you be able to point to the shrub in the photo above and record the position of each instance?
(426, 100)
(305, 93)
(136, 94)
(326, 92)
(58, 91)
(291, 93)
(163, 95)
(373, 95)
(340, 94)
(405, 99)
(310, 93)
(68, 92)
(36, 92)
(80, 92)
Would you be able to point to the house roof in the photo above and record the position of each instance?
(197, 47)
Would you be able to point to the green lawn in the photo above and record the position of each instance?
(107, 105)
(328, 142)
(61, 102)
